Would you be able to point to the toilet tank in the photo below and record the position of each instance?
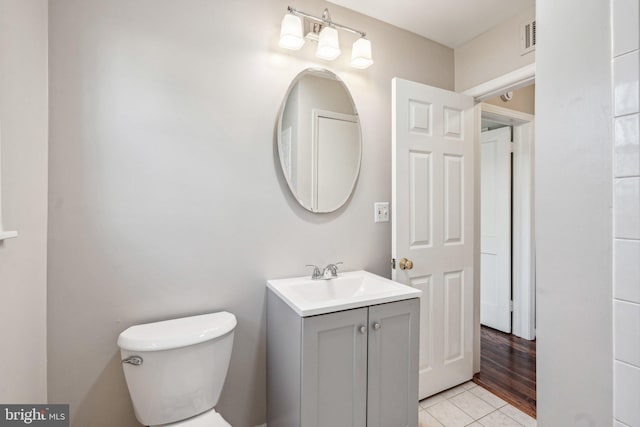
(178, 366)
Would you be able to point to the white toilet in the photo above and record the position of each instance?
(175, 369)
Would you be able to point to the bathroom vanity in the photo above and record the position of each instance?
(342, 352)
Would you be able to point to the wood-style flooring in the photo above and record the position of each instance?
(508, 368)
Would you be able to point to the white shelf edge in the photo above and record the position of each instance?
(8, 234)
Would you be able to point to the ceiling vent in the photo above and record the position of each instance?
(527, 37)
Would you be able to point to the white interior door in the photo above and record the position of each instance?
(495, 240)
(432, 224)
(333, 160)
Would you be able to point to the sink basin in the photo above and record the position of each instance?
(352, 289)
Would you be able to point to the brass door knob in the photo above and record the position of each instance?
(406, 264)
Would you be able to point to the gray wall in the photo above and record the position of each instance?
(523, 100)
(23, 260)
(492, 54)
(166, 197)
(573, 181)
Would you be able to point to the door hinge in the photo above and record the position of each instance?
(393, 263)
(511, 147)
(511, 306)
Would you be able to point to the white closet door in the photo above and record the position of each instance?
(495, 241)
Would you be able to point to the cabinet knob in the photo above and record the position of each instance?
(363, 329)
(377, 326)
(406, 264)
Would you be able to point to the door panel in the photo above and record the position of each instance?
(453, 123)
(495, 241)
(453, 199)
(453, 316)
(393, 364)
(420, 203)
(432, 224)
(334, 375)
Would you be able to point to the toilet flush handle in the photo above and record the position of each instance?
(133, 360)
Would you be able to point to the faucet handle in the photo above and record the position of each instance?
(316, 271)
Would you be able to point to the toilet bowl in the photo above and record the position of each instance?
(175, 369)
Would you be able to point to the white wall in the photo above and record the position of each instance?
(23, 260)
(166, 197)
(492, 54)
(573, 213)
(626, 211)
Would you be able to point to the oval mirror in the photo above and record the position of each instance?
(319, 140)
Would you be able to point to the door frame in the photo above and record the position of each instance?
(510, 81)
(526, 297)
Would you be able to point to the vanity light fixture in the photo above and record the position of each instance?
(325, 32)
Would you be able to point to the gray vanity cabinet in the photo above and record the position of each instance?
(392, 389)
(334, 369)
(352, 368)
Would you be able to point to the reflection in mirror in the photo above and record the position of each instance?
(319, 141)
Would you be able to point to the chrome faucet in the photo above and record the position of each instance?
(329, 272)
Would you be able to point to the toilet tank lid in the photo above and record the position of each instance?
(176, 333)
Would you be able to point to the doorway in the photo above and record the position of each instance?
(507, 264)
(433, 144)
(516, 224)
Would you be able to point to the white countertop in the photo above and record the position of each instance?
(352, 289)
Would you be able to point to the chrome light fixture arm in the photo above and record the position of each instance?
(325, 19)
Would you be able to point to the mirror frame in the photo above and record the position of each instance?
(321, 72)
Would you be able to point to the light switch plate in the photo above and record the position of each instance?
(381, 212)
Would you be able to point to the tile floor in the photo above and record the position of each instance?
(470, 405)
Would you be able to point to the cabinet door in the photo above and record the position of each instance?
(334, 370)
(393, 364)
